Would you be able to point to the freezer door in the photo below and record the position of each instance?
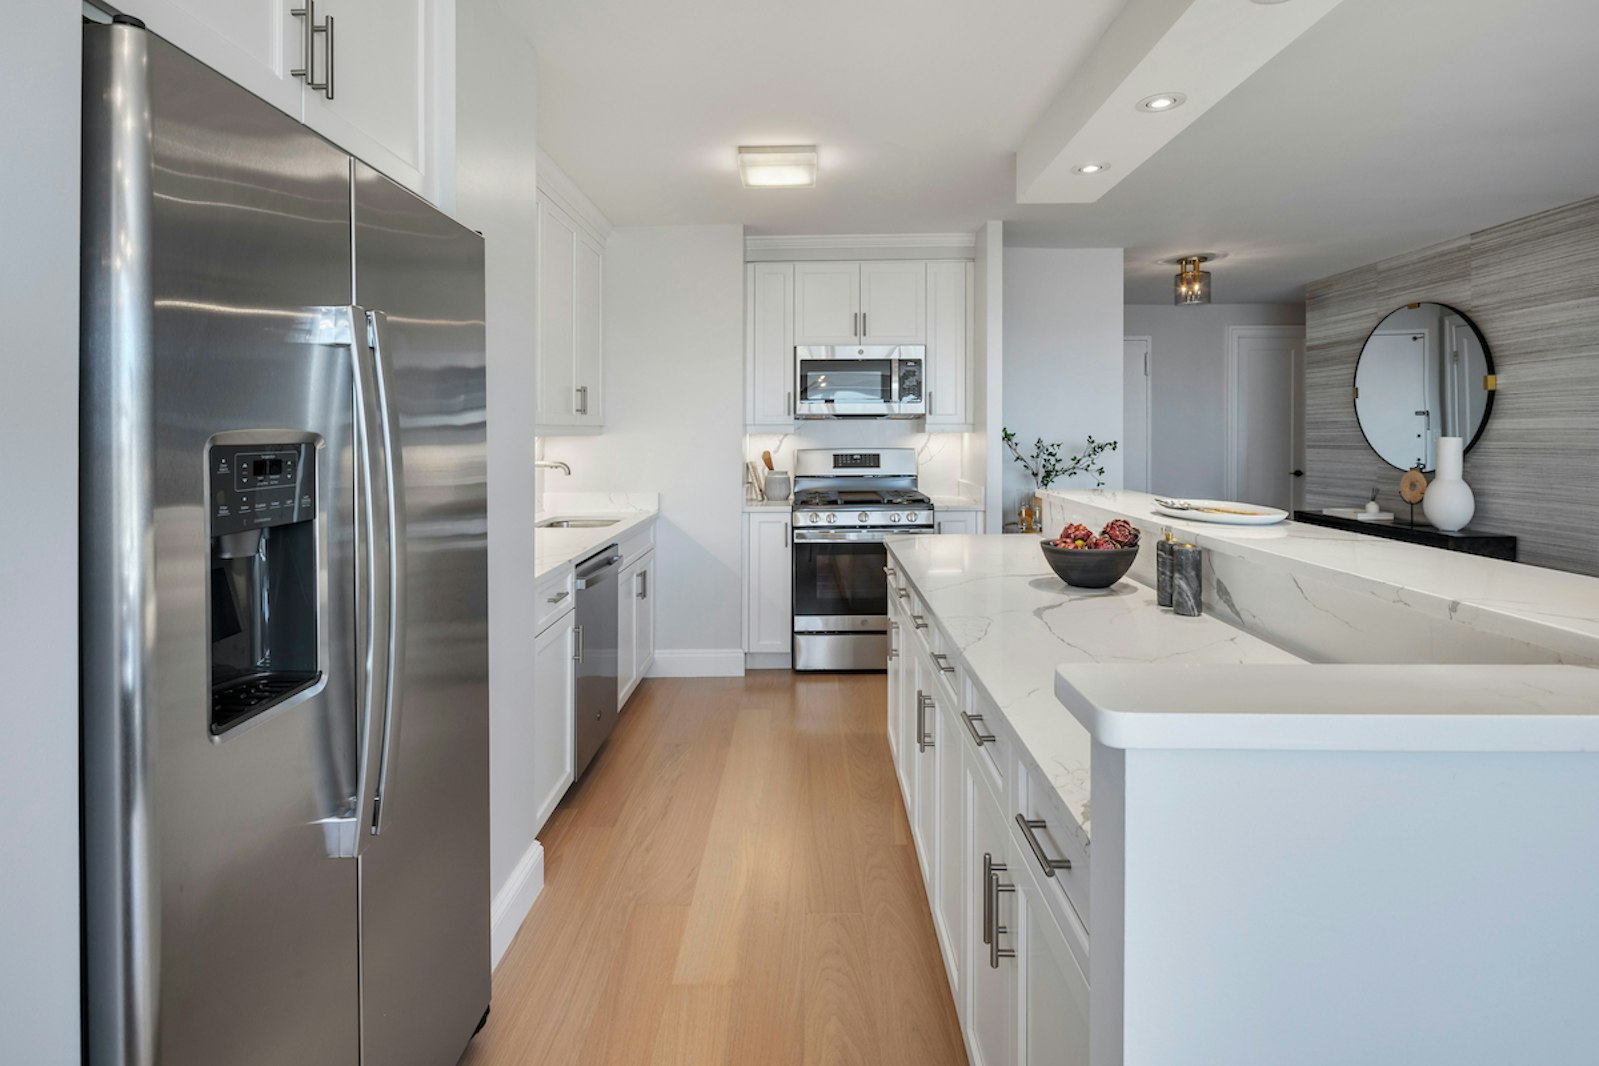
(424, 877)
(219, 929)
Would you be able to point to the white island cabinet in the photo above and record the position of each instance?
(376, 77)
(1317, 863)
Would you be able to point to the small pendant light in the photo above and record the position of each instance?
(1193, 284)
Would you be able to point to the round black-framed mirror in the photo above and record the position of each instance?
(1425, 371)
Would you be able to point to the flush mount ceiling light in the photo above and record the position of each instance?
(1090, 168)
(1192, 283)
(1162, 102)
(786, 166)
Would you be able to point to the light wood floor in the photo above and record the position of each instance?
(733, 882)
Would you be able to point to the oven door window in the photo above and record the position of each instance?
(840, 578)
(853, 381)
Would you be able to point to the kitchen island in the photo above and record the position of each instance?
(1292, 860)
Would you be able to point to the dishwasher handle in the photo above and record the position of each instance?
(596, 570)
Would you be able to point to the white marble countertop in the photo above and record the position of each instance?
(555, 548)
(955, 503)
(1336, 707)
(768, 505)
(1013, 622)
(1548, 608)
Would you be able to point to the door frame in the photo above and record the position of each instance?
(1149, 404)
(1236, 335)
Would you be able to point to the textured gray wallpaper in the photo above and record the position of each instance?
(1532, 287)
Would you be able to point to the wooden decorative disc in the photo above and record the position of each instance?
(1413, 486)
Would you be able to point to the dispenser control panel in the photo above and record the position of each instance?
(257, 485)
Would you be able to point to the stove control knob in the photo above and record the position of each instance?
(864, 517)
(910, 516)
(894, 517)
(814, 517)
(831, 517)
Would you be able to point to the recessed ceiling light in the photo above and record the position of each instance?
(790, 166)
(1090, 168)
(1162, 102)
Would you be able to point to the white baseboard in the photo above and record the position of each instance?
(768, 661)
(698, 662)
(514, 899)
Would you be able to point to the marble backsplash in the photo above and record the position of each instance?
(938, 455)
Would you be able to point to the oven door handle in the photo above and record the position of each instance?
(841, 536)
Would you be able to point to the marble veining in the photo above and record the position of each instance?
(555, 548)
(1012, 622)
(1336, 596)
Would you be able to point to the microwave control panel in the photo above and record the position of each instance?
(256, 485)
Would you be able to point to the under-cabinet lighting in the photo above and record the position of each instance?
(777, 166)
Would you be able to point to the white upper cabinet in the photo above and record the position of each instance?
(569, 313)
(827, 303)
(893, 303)
(383, 73)
(769, 345)
(588, 390)
(375, 76)
(557, 320)
(871, 302)
(253, 43)
(949, 343)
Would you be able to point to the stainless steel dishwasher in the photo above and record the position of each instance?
(596, 653)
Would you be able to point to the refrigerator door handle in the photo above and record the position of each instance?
(348, 327)
(394, 508)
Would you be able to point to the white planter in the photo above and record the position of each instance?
(1449, 503)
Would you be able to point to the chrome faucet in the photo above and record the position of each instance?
(553, 464)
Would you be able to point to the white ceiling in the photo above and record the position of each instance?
(1389, 125)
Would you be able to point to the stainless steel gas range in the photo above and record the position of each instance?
(845, 503)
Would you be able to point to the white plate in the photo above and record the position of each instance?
(1258, 516)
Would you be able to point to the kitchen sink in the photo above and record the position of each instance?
(576, 523)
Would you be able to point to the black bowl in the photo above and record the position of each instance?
(1089, 568)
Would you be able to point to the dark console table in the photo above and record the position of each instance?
(1492, 545)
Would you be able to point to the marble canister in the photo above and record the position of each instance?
(1187, 580)
(1163, 549)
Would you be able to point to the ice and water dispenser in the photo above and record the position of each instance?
(263, 576)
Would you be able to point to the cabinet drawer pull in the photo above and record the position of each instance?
(890, 571)
(942, 662)
(903, 594)
(971, 721)
(919, 621)
(558, 597)
(1047, 864)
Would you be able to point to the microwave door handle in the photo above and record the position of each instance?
(893, 384)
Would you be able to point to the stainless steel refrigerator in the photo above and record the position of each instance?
(284, 589)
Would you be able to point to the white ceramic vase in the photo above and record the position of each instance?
(1449, 503)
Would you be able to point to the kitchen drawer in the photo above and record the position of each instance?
(1050, 839)
(638, 543)
(554, 596)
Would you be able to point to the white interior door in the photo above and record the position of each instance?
(1136, 466)
(1262, 430)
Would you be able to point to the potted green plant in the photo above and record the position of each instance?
(1045, 466)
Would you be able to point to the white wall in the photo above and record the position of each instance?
(674, 424)
(982, 455)
(40, 80)
(497, 144)
(1063, 356)
(1188, 383)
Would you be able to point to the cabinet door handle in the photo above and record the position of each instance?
(786, 536)
(996, 888)
(863, 323)
(333, 65)
(940, 527)
(855, 323)
(1045, 863)
(919, 621)
(788, 404)
(577, 644)
(582, 399)
(558, 597)
(942, 662)
(643, 584)
(971, 721)
(923, 739)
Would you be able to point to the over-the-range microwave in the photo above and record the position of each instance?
(860, 381)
